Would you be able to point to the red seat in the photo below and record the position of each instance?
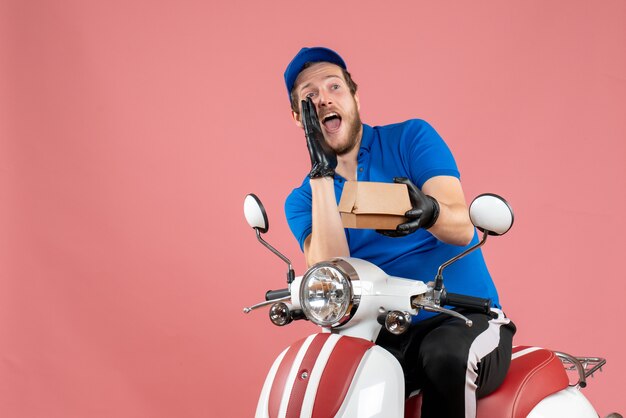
(534, 374)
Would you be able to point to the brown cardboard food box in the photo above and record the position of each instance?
(372, 205)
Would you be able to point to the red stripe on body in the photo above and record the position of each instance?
(280, 380)
(338, 374)
(299, 386)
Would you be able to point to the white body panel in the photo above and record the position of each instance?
(377, 390)
(568, 403)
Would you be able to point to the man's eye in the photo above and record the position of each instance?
(310, 94)
(335, 86)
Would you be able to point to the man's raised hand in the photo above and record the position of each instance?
(323, 159)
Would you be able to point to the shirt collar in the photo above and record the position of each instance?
(367, 138)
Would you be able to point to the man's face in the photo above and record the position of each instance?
(337, 109)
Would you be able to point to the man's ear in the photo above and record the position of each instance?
(358, 103)
(296, 119)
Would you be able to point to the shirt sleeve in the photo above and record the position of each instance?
(428, 154)
(298, 209)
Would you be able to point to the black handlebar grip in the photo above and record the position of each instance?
(469, 302)
(277, 294)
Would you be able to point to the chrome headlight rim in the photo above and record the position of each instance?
(350, 275)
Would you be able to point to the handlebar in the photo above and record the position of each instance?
(277, 294)
(469, 302)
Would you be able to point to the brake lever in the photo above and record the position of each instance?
(433, 308)
(425, 302)
(249, 309)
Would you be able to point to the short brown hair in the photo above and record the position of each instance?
(295, 106)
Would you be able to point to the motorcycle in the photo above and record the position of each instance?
(341, 372)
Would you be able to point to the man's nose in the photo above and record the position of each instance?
(323, 99)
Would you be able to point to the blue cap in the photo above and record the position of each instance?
(315, 54)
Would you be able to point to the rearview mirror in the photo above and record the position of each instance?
(257, 219)
(255, 213)
(492, 214)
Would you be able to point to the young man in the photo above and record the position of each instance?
(451, 363)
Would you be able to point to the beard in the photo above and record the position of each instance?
(353, 135)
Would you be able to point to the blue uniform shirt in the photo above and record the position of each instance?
(411, 149)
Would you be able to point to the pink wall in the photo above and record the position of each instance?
(130, 132)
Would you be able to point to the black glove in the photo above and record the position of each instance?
(423, 215)
(323, 159)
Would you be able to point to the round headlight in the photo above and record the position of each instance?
(326, 293)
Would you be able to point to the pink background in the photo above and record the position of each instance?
(130, 132)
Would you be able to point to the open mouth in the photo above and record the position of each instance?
(331, 122)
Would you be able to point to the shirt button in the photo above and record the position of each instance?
(361, 169)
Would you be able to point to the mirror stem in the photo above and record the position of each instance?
(439, 277)
(290, 274)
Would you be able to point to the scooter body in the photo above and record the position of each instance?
(341, 372)
(330, 375)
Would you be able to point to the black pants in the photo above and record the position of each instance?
(451, 363)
